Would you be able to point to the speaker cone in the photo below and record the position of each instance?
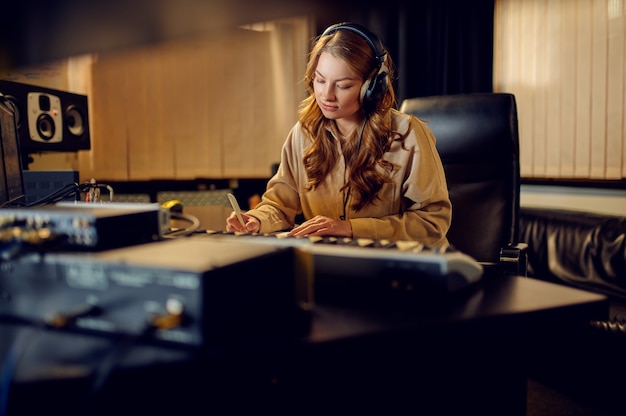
(45, 126)
(75, 121)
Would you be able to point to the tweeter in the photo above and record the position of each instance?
(45, 121)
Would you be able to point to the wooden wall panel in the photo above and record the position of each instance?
(210, 107)
(109, 148)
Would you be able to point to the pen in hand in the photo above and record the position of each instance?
(235, 205)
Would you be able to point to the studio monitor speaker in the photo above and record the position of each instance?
(48, 119)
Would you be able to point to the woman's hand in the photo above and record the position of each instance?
(233, 225)
(320, 225)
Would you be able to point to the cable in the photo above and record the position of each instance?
(194, 221)
(356, 154)
(103, 372)
(69, 190)
(58, 195)
(17, 350)
(11, 201)
(9, 249)
(121, 348)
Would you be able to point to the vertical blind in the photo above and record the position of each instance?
(565, 61)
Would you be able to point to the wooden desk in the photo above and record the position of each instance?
(460, 355)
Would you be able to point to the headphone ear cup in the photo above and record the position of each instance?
(365, 95)
(373, 88)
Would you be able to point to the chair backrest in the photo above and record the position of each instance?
(477, 139)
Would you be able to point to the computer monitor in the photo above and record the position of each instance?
(11, 176)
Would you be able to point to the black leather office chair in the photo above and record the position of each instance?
(477, 138)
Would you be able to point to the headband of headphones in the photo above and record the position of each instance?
(377, 85)
(362, 31)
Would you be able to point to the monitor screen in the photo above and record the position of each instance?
(11, 177)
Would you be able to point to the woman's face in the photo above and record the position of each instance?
(337, 88)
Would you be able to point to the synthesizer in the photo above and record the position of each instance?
(348, 270)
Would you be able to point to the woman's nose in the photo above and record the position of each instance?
(329, 92)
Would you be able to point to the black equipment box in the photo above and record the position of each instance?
(183, 292)
(90, 226)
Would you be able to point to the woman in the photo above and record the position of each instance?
(353, 165)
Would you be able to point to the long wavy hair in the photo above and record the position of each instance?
(363, 152)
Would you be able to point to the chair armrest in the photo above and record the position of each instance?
(514, 259)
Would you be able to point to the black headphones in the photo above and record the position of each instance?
(376, 86)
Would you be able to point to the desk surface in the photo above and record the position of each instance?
(515, 301)
(496, 298)
(362, 353)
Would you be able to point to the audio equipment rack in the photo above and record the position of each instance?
(84, 226)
